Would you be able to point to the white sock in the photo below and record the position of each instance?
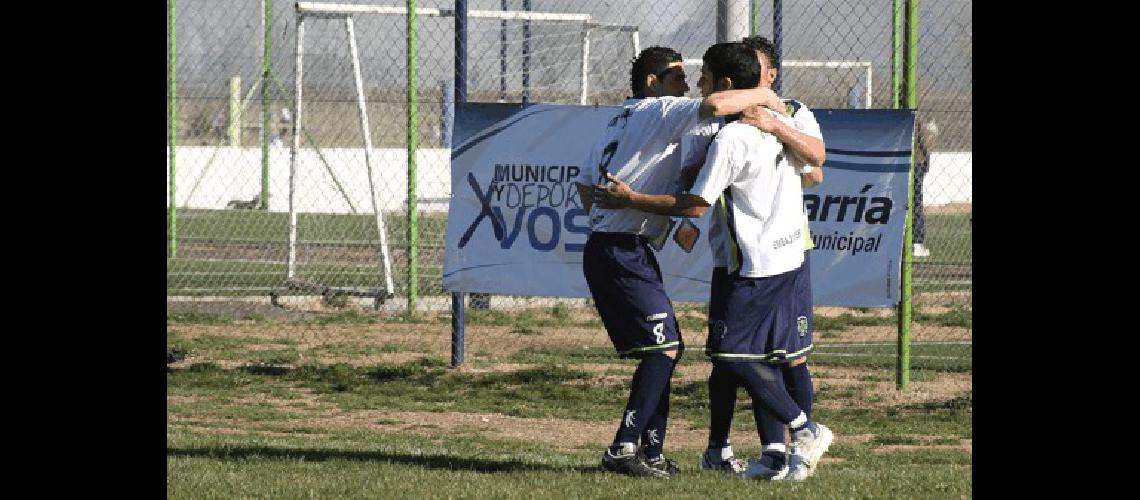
(778, 447)
(726, 453)
(798, 422)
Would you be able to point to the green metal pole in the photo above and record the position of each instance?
(413, 134)
(266, 75)
(754, 19)
(911, 52)
(905, 305)
(896, 53)
(172, 136)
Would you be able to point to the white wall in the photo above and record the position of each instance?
(951, 179)
(235, 174)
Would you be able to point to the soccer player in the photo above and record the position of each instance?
(753, 304)
(804, 141)
(641, 144)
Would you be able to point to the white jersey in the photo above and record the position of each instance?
(641, 147)
(696, 142)
(763, 201)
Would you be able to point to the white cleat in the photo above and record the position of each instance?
(811, 446)
(757, 470)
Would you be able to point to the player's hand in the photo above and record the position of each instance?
(689, 174)
(616, 194)
(772, 101)
(758, 116)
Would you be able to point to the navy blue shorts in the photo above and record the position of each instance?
(759, 319)
(625, 282)
(804, 324)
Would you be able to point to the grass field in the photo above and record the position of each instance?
(353, 405)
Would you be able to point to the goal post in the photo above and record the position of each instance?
(308, 258)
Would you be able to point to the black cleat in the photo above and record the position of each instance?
(630, 463)
(664, 464)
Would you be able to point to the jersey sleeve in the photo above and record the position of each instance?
(725, 156)
(804, 121)
(696, 142)
(679, 114)
(588, 174)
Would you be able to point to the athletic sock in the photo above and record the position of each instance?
(722, 402)
(797, 380)
(653, 438)
(766, 386)
(649, 382)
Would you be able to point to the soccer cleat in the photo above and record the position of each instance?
(629, 462)
(710, 460)
(659, 463)
(798, 470)
(773, 470)
(810, 443)
(664, 464)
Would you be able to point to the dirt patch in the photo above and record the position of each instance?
(873, 389)
(964, 445)
(949, 208)
(853, 438)
(889, 333)
(835, 312)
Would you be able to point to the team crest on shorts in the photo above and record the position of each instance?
(719, 328)
(801, 325)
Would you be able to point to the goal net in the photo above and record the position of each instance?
(348, 229)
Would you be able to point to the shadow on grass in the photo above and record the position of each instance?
(446, 462)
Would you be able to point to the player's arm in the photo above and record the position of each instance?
(729, 102)
(585, 195)
(807, 148)
(618, 194)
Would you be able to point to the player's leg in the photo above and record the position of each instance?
(762, 312)
(797, 379)
(796, 376)
(653, 438)
(773, 462)
(617, 284)
(722, 387)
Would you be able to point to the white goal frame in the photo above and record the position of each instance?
(346, 12)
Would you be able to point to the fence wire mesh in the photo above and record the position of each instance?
(229, 259)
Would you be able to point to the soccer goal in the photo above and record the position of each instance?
(328, 241)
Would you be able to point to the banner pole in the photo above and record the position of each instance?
(413, 135)
(906, 305)
(457, 298)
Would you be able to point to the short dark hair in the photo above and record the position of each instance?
(651, 61)
(766, 46)
(733, 60)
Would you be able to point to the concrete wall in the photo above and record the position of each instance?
(235, 174)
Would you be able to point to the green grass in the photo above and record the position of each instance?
(950, 237)
(356, 465)
(219, 446)
(924, 355)
(258, 225)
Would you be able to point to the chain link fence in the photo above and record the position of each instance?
(234, 248)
